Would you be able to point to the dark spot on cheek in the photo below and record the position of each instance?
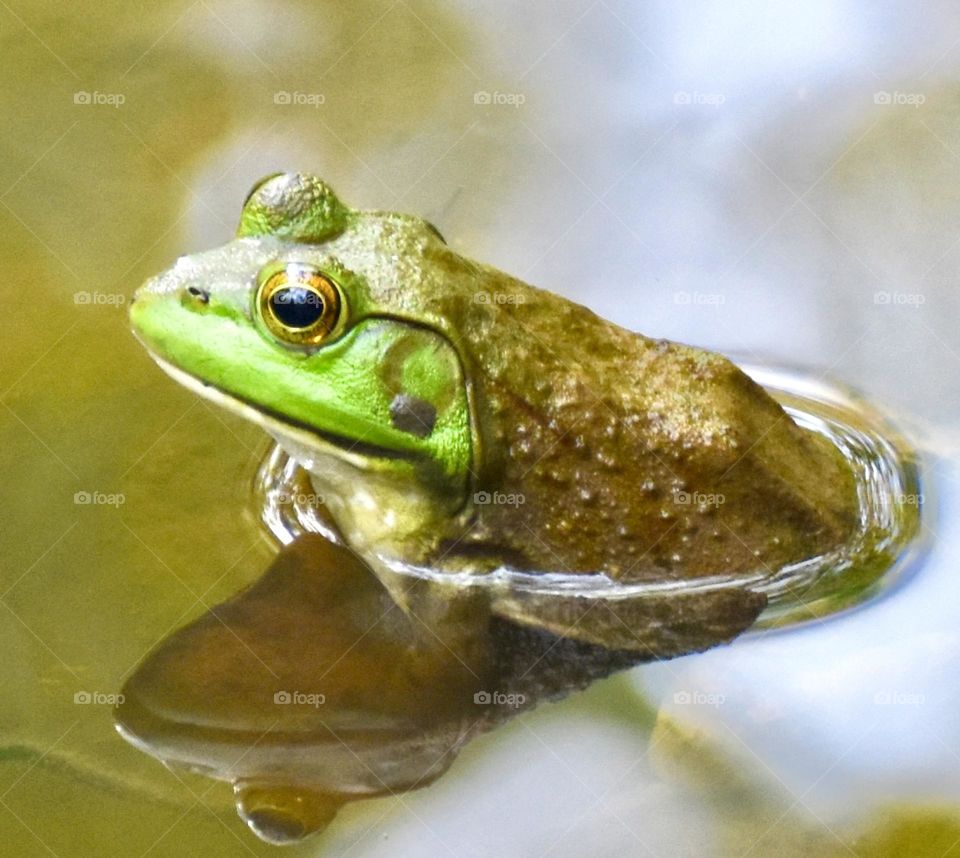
(202, 295)
(409, 414)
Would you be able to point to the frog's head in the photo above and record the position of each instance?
(317, 322)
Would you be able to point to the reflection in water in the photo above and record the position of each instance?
(313, 688)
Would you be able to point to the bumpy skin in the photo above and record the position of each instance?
(622, 448)
(614, 442)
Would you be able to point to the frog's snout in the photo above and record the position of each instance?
(170, 284)
(146, 289)
(148, 301)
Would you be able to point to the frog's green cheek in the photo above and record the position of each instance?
(294, 207)
(386, 387)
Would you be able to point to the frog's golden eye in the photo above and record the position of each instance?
(299, 305)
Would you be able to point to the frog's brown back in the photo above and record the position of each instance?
(643, 458)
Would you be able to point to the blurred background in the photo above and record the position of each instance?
(777, 181)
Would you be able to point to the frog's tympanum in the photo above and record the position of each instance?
(458, 421)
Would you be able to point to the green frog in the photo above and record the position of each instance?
(456, 419)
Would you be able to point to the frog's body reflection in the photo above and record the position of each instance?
(312, 688)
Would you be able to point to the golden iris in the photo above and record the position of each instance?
(299, 305)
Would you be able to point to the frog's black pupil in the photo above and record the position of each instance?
(296, 307)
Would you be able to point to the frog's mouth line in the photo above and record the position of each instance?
(361, 454)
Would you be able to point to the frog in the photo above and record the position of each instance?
(456, 419)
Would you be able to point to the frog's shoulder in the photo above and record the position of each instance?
(536, 352)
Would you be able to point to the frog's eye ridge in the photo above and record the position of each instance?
(293, 206)
(299, 305)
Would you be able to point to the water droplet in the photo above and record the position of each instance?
(284, 814)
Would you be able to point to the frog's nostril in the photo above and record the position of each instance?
(202, 295)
